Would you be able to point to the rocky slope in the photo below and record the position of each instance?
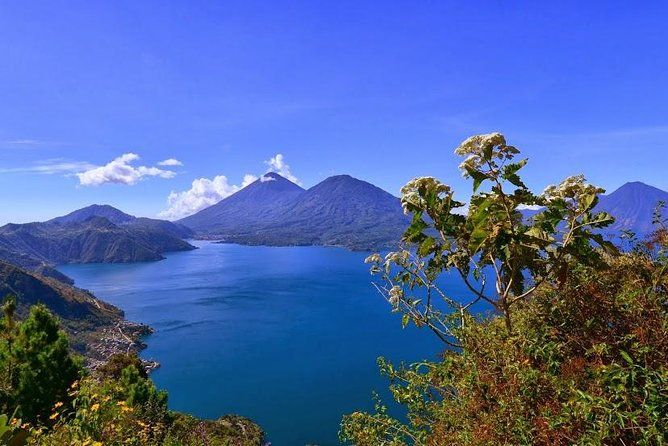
(8, 254)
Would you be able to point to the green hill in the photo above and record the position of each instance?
(96, 328)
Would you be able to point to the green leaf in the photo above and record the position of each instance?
(510, 173)
(515, 179)
(602, 219)
(481, 214)
(606, 245)
(626, 357)
(511, 169)
(478, 177)
(477, 237)
(426, 246)
(538, 233)
(405, 319)
(590, 201)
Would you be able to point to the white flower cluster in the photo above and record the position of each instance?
(398, 257)
(373, 258)
(396, 293)
(572, 188)
(413, 192)
(481, 149)
(477, 143)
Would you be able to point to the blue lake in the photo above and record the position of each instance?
(285, 336)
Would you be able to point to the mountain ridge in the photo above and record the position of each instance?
(339, 211)
(261, 199)
(87, 235)
(109, 212)
(633, 205)
(345, 211)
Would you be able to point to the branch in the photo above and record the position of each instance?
(442, 334)
(474, 291)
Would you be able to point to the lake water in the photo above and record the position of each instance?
(285, 336)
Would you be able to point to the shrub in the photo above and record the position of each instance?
(575, 352)
(35, 364)
(114, 366)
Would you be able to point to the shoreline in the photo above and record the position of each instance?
(122, 338)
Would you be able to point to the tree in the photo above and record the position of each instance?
(8, 333)
(139, 390)
(36, 362)
(116, 363)
(492, 237)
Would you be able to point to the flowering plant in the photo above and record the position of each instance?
(493, 237)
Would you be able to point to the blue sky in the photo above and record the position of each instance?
(383, 91)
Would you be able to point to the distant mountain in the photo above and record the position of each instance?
(162, 226)
(119, 217)
(633, 206)
(96, 210)
(250, 209)
(83, 236)
(94, 326)
(340, 211)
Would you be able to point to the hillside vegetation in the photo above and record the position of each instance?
(49, 399)
(575, 351)
(96, 329)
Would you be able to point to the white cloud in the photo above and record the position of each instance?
(203, 193)
(23, 142)
(50, 167)
(28, 143)
(170, 162)
(248, 179)
(277, 164)
(120, 171)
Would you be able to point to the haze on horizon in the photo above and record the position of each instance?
(160, 108)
